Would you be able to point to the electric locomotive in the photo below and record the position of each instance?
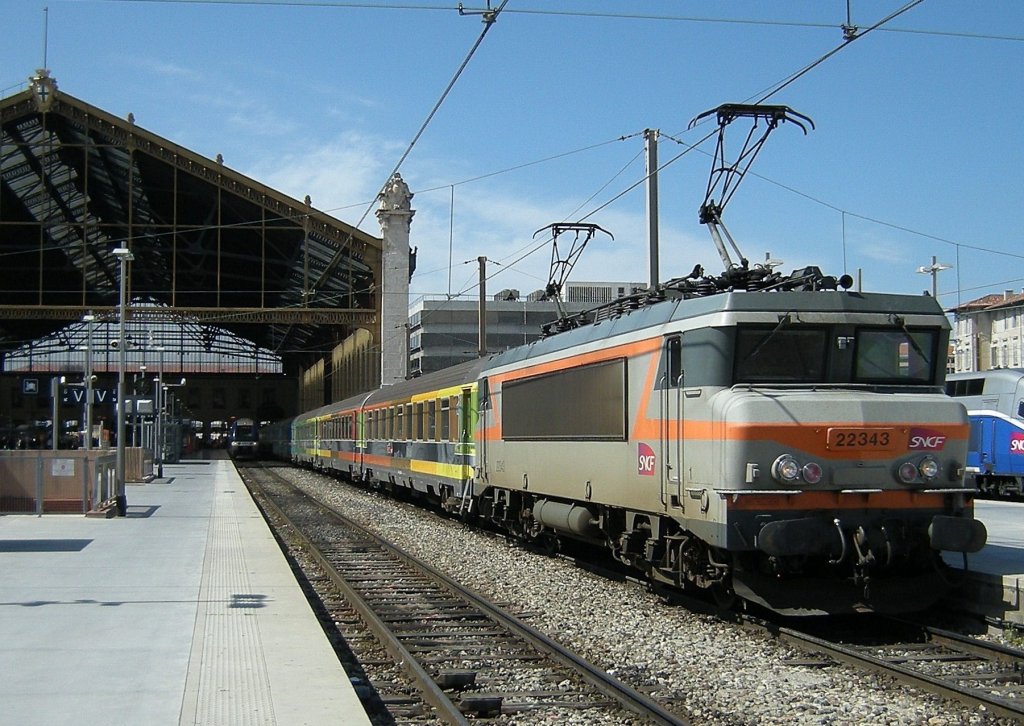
(243, 439)
(794, 448)
(778, 438)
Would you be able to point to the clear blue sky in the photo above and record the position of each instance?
(918, 139)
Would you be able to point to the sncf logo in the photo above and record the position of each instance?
(926, 439)
(644, 460)
(1016, 443)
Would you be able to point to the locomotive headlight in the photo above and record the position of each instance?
(812, 472)
(907, 472)
(928, 467)
(786, 468)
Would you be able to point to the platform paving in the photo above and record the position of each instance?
(183, 612)
(993, 587)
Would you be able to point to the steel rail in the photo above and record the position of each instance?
(972, 696)
(431, 692)
(626, 696)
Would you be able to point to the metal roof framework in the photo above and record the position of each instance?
(213, 249)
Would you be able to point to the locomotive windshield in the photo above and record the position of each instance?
(894, 356)
(245, 432)
(790, 353)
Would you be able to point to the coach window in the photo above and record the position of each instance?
(446, 423)
(431, 420)
(417, 421)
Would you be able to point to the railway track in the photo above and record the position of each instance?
(460, 655)
(974, 672)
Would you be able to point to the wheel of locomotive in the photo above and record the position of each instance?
(550, 544)
(723, 594)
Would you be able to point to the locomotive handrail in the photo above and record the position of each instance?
(951, 490)
(736, 492)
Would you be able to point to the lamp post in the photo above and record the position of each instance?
(158, 404)
(55, 400)
(168, 396)
(88, 319)
(934, 269)
(124, 256)
(138, 421)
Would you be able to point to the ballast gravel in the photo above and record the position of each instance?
(718, 672)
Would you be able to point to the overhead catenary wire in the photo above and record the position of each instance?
(761, 98)
(581, 14)
(489, 18)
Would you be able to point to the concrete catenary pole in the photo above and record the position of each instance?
(651, 156)
(482, 317)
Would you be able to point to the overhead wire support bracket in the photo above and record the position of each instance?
(488, 16)
(725, 177)
(561, 265)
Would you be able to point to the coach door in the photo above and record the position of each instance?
(670, 423)
(483, 410)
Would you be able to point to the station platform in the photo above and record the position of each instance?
(183, 612)
(993, 587)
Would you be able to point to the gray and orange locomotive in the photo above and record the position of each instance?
(774, 437)
(793, 447)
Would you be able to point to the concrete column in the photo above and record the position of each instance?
(395, 216)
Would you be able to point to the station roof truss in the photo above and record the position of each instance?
(210, 246)
(154, 338)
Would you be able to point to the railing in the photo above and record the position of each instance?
(71, 481)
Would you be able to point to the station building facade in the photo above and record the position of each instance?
(988, 333)
(444, 331)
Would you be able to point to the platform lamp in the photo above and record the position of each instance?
(168, 397)
(159, 406)
(88, 319)
(124, 256)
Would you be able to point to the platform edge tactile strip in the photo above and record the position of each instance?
(227, 681)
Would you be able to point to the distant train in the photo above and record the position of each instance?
(788, 443)
(995, 449)
(243, 439)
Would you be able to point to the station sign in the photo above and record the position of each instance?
(76, 396)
